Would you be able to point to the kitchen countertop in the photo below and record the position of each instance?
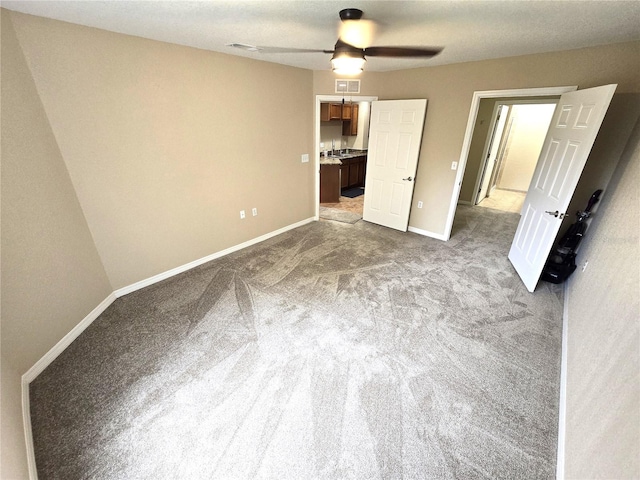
(330, 161)
(336, 159)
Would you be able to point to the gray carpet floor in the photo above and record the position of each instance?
(333, 351)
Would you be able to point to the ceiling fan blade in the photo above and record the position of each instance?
(290, 50)
(402, 51)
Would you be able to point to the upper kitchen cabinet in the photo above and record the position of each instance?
(350, 126)
(336, 111)
(330, 111)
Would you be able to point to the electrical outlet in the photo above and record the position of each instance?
(305, 157)
(242, 214)
(420, 204)
(454, 165)
(254, 211)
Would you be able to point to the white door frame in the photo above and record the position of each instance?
(466, 143)
(316, 112)
(489, 144)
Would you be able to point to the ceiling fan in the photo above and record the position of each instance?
(352, 46)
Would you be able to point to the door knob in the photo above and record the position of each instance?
(407, 179)
(556, 214)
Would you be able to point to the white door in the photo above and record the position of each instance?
(395, 134)
(496, 140)
(573, 130)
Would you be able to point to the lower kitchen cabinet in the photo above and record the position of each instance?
(329, 183)
(353, 171)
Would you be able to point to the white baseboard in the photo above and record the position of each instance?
(188, 266)
(59, 347)
(562, 410)
(28, 436)
(426, 233)
(39, 367)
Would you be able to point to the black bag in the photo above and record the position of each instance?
(562, 260)
(559, 272)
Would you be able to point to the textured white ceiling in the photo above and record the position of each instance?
(468, 30)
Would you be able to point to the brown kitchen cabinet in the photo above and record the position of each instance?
(330, 111)
(352, 172)
(350, 127)
(337, 111)
(330, 183)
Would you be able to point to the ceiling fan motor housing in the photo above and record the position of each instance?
(350, 14)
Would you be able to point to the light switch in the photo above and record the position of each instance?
(305, 157)
(454, 165)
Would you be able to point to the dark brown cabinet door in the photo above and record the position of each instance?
(329, 183)
(353, 173)
(362, 171)
(335, 111)
(331, 111)
(350, 124)
(324, 112)
(344, 180)
(353, 126)
(346, 111)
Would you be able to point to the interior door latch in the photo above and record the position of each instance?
(556, 214)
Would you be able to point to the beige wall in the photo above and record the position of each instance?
(331, 131)
(449, 89)
(166, 144)
(603, 375)
(476, 148)
(528, 128)
(51, 276)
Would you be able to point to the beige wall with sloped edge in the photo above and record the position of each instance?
(450, 89)
(52, 276)
(166, 144)
(603, 373)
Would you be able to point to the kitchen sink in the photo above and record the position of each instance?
(345, 155)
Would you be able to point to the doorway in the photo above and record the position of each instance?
(329, 136)
(514, 140)
(521, 94)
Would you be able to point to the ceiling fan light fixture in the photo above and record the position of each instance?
(347, 63)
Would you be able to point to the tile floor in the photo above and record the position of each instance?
(354, 205)
(505, 200)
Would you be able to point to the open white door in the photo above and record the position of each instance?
(395, 135)
(573, 130)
